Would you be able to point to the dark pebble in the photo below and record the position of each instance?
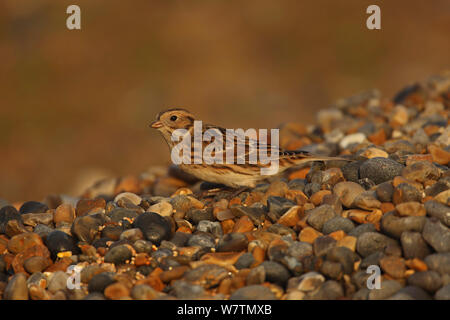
(59, 241)
(208, 275)
(331, 269)
(256, 214)
(344, 256)
(202, 239)
(351, 170)
(413, 245)
(187, 291)
(362, 228)
(100, 281)
(214, 228)
(439, 262)
(118, 254)
(299, 249)
(322, 245)
(232, 242)
(154, 227)
(438, 210)
(319, 215)
(394, 226)
(244, 261)
(8, 213)
(443, 293)
(385, 191)
(180, 239)
(119, 214)
(112, 232)
(338, 223)
(388, 288)
(380, 170)
(410, 293)
(372, 259)
(297, 184)
(95, 296)
(437, 235)
(312, 188)
(276, 272)
(197, 215)
(427, 280)
(371, 242)
(329, 290)
(33, 207)
(406, 193)
(277, 206)
(253, 292)
(85, 228)
(143, 246)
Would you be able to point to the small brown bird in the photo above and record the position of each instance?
(233, 173)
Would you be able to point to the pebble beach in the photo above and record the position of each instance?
(310, 234)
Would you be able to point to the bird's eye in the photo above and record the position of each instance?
(173, 118)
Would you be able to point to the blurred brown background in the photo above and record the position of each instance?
(77, 102)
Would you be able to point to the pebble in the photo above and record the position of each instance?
(299, 249)
(370, 242)
(443, 293)
(244, 261)
(275, 272)
(411, 208)
(428, 280)
(58, 241)
(388, 288)
(100, 281)
(355, 138)
(338, 223)
(393, 266)
(421, 171)
(437, 235)
(405, 193)
(118, 255)
(438, 210)
(394, 226)
(330, 290)
(410, 293)
(234, 242)
(310, 281)
(36, 264)
(33, 207)
(85, 228)
(347, 192)
(197, 215)
(16, 288)
(317, 217)
(253, 292)
(439, 262)
(202, 239)
(133, 198)
(85, 206)
(380, 170)
(162, 208)
(413, 245)
(23, 241)
(322, 245)
(33, 219)
(385, 191)
(154, 227)
(8, 213)
(64, 213)
(207, 276)
(144, 292)
(57, 281)
(277, 206)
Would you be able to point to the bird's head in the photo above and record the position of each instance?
(172, 119)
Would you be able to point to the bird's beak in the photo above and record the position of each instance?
(156, 124)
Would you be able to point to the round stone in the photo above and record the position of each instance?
(154, 227)
(380, 170)
(58, 241)
(118, 255)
